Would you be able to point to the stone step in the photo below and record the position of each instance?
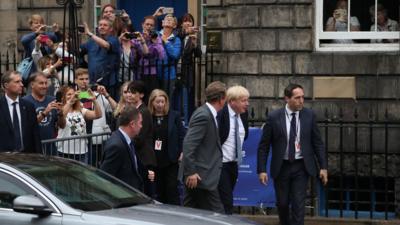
(273, 220)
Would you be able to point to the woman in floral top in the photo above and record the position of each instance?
(71, 123)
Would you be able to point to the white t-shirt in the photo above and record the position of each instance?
(75, 126)
(100, 125)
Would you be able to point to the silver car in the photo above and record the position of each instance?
(36, 189)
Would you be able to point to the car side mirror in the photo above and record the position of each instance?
(30, 204)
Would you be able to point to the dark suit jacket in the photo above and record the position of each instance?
(29, 127)
(176, 134)
(144, 140)
(118, 162)
(275, 136)
(224, 123)
(202, 152)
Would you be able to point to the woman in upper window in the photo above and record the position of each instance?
(383, 23)
(338, 21)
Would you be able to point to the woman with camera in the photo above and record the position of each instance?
(190, 50)
(338, 21)
(71, 123)
(148, 62)
(133, 47)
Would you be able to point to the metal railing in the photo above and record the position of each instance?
(85, 148)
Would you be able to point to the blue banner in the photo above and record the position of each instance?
(248, 190)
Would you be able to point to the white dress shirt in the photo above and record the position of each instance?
(11, 108)
(288, 117)
(214, 112)
(229, 146)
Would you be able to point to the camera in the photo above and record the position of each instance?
(93, 87)
(168, 10)
(340, 15)
(153, 34)
(58, 96)
(67, 59)
(81, 28)
(118, 12)
(43, 39)
(133, 35)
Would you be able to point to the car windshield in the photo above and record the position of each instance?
(82, 187)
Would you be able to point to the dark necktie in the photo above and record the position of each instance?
(292, 138)
(17, 131)
(133, 155)
(237, 140)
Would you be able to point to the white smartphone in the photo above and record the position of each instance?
(168, 10)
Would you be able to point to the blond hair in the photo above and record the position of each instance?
(122, 102)
(236, 92)
(36, 17)
(158, 93)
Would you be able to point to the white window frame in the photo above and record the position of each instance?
(320, 34)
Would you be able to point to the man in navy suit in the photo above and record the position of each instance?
(233, 130)
(297, 153)
(119, 156)
(19, 129)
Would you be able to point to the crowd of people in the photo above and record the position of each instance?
(114, 52)
(149, 147)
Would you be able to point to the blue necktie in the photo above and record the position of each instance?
(292, 138)
(237, 140)
(17, 131)
(133, 155)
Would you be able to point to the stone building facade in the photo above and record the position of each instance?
(265, 44)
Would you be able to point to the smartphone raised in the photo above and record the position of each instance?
(168, 10)
(58, 96)
(118, 12)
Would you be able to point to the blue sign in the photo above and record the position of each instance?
(248, 190)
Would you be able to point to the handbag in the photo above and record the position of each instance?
(25, 67)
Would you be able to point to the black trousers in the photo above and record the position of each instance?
(203, 199)
(227, 182)
(290, 191)
(167, 184)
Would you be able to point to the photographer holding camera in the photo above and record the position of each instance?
(155, 55)
(339, 21)
(44, 32)
(133, 47)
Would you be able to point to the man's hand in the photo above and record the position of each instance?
(263, 177)
(323, 175)
(191, 181)
(151, 175)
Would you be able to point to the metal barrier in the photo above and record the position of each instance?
(85, 148)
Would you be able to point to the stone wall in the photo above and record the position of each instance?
(268, 43)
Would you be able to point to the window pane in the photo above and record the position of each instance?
(10, 188)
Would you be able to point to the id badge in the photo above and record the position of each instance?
(297, 146)
(157, 145)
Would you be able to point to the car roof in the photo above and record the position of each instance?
(19, 160)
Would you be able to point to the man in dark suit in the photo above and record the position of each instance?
(297, 153)
(119, 157)
(233, 130)
(202, 154)
(144, 140)
(19, 128)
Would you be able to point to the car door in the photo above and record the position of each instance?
(12, 187)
